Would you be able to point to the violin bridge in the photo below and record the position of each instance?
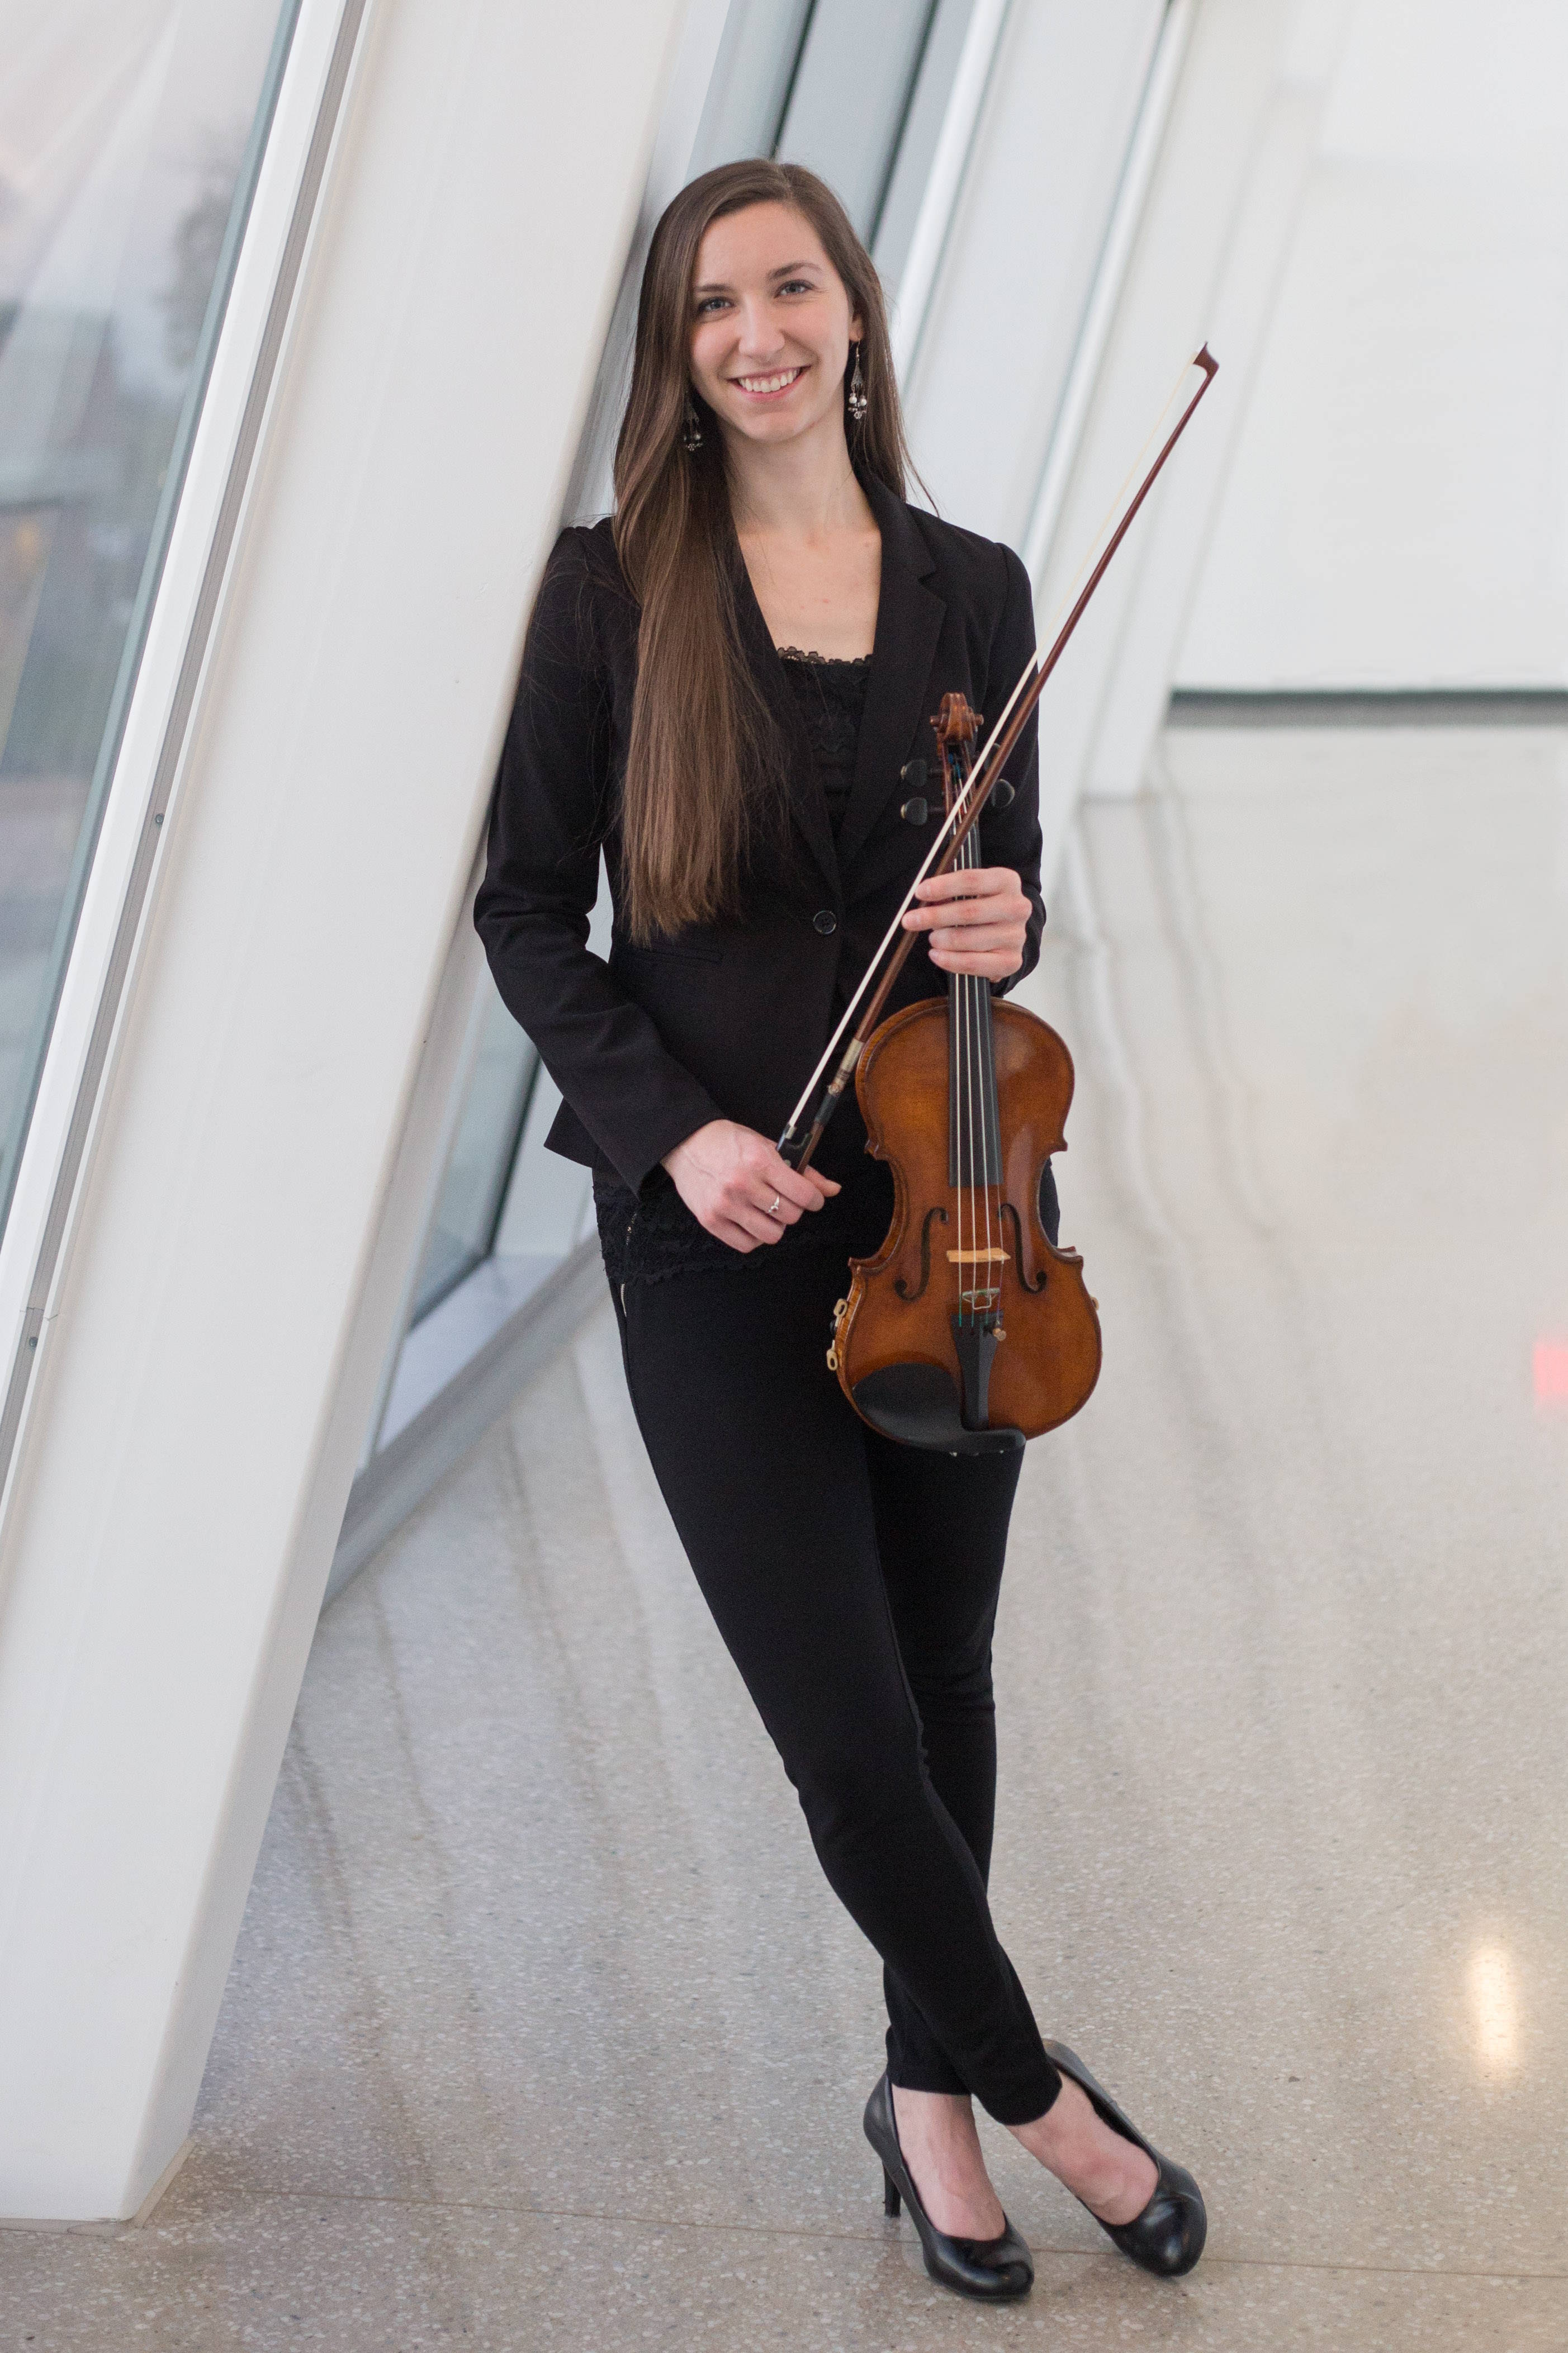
(975, 1257)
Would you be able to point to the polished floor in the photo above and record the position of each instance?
(543, 2031)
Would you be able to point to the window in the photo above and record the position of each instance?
(129, 134)
(468, 1208)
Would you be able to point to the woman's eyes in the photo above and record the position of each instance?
(713, 303)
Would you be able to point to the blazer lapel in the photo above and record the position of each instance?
(909, 623)
(808, 805)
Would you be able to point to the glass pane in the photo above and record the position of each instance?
(758, 53)
(482, 1152)
(129, 136)
(894, 227)
(852, 89)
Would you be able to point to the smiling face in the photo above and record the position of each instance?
(771, 325)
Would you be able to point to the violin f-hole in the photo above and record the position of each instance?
(1009, 1211)
(899, 1285)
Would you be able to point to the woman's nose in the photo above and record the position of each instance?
(761, 335)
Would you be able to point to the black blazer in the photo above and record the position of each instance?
(728, 1021)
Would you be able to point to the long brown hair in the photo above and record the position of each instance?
(704, 777)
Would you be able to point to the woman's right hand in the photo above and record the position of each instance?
(738, 1188)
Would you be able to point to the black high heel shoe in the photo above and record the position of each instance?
(993, 2269)
(1167, 2237)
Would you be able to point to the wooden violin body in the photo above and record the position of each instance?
(921, 1351)
(968, 1331)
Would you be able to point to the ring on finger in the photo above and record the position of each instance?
(773, 1206)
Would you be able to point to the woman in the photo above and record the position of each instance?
(719, 690)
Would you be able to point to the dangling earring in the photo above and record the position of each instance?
(857, 403)
(691, 431)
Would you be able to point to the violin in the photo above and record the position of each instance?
(969, 1331)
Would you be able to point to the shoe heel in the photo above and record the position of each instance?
(989, 2269)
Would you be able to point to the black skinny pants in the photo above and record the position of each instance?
(855, 1583)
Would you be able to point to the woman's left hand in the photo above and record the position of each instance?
(976, 919)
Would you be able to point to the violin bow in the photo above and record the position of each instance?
(798, 1143)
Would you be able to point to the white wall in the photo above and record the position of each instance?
(209, 1361)
(1397, 511)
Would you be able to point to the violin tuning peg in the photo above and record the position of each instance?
(913, 772)
(1002, 794)
(915, 811)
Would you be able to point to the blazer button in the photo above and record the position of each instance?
(824, 921)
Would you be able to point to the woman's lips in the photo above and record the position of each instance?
(768, 387)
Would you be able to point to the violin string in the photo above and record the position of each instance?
(960, 1073)
(983, 1022)
(976, 1121)
(971, 1241)
(960, 1112)
(981, 990)
(967, 1234)
(965, 1104)
(967, 985)
(975, 1172)
(960, 1117)
(977, 1109)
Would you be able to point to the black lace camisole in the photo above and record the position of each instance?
(831, 697)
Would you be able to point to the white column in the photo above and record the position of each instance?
(1211, 247)
(1029, 205)
(211, 1354)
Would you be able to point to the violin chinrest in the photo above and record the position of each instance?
(919, 1405)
